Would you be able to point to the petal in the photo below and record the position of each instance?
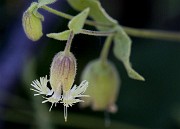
(54, 99)
(80, 89)
(41, 86)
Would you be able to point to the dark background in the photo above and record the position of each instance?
(153, 104)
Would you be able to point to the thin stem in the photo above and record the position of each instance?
(153, 34)
(56, 12)
(67, 16)
(106, 47)
(69, 41)
(97, 33)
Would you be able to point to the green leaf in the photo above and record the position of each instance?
(62, 36)
(122, 51)
(77, 23)
(45, 2)
(96, 11)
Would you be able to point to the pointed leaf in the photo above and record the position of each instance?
(77, 23)
(132, 73)
(122, 51)
(62, 36)
(96, 11)
(45, 2)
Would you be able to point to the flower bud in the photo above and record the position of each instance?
(63, 71)
(104, 83)
(32, 24)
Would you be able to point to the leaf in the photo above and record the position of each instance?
(45, 2)
(62, 36)
(77, 23)
(122, 51)
(96, 11)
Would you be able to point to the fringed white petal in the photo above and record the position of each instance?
(70, 97)
(54, 99)
(41, 86)
(78, 91)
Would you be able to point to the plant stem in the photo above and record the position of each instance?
(106, 47)
(144, 33)
(56, 12)
(153, 34)
(97, 33)
(67, 16)
(68, 44)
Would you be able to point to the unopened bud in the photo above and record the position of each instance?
(63, 71)
(104, 83)
(32, 24)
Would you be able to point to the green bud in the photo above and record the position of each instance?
(63, 71)
(32, 24)
(104, 83)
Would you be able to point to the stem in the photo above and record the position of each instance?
(153, 34)
(97, 33)
(69, 42)
(106, 47)
(56, 12)
(67, 16)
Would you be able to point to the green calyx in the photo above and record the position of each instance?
(32, 24)
(104, 84)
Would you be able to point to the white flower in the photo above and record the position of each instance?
(70, 97)
(41, 86)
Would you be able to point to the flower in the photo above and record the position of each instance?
(62, 74)
(104, 86)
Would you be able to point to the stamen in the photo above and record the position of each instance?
(51, 107)
(65, 113)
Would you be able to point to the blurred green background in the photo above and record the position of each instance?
(153, 104)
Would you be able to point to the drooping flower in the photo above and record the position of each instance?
(104, 86)
(62, 75)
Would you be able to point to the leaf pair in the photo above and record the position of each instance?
(122, 42)
(75, 25)
(96, 12)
